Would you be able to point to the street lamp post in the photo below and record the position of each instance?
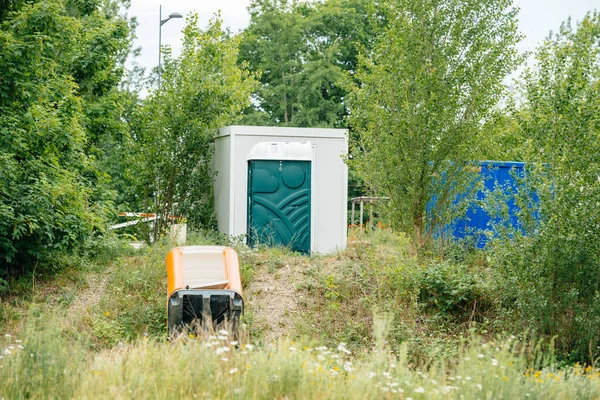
(162, 22)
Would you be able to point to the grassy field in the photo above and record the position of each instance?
(370, 322)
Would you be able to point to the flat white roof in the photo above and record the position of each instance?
(283, 131)
(281, 151)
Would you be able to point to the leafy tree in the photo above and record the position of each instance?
(202, 90)
(502, 138)
(98, 68)
(305, 51)
(7, 6)
(350, 26)
(60, 60)
(44, 197)
(553, 273)
(274, 44)
(426, 90)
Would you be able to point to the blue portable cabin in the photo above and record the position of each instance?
(496, 175)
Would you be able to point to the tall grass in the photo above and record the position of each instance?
(46, 364)
(113, 345)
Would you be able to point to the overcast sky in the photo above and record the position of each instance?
(537, 18)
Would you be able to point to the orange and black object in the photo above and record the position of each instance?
(204, 288)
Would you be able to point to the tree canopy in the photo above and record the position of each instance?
(306, 53)
(554, 270)
(202, 90)
(58, 58)
(424, 93)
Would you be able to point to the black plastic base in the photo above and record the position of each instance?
(204, 308)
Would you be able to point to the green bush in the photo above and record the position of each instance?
(60, 59)
(455, 290)
(551, 275)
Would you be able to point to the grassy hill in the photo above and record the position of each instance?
(370, 322)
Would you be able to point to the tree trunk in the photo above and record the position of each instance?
(285, 114)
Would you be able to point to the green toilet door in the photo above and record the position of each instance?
(279, 203)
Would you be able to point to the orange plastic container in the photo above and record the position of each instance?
(203, 281)
(203, 267)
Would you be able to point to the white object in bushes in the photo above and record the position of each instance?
(178, 233)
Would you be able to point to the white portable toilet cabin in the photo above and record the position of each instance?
(283, 186)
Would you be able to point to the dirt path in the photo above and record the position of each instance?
(272, 297)
(91, 295)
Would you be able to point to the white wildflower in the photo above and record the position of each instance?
(222, 350)
(480, 355)
(420, 390)
(233, 370)
(249, 347)
(372, 375)
(234, 343)
(468, 378)
(494, 362)
(292, 349)
(342, 348)
(348, 366)
(223, 332)
(479, 386)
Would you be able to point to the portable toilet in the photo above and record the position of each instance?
(283, 186)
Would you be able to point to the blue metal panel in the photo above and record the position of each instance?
(495, 175)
